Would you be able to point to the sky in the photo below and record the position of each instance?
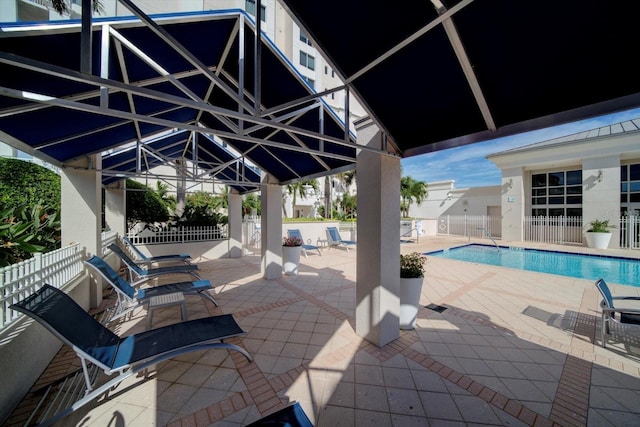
(467, 165)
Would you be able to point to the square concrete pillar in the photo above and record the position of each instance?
(235, 223)
(514, 204)
(81, 207)
(271, 228)
(115, 208)
(378, 252)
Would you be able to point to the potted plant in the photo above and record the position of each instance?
(598, 235)
(411, 277)
(291, 254)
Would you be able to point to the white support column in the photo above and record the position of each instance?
(601, 193)
(115, 208)
(378, 253)
(235, 224)
(81, 219)
(271, 228)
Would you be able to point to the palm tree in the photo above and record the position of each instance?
(411, 190)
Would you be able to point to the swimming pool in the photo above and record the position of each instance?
(612, 269)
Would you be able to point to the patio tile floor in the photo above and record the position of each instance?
(511, 348)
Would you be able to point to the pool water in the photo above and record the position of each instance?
(613, 269)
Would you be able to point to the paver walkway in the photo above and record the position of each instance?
(510, 348)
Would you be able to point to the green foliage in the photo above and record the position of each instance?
(348, 205)
(144, 205)
(412, 265)
(201, 209)
(600, 226)
(411, 190)
(26, 184)
(25, 230)
(286, 220)
(251, 201)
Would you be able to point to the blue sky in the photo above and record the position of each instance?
(467, 165)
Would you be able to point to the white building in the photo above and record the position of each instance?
(593, 174)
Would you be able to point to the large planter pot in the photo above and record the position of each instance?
(410, 290)
(291, 259)
(598, 240)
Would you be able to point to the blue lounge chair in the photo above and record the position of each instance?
(305, 246)
(143, 259)
(628, 316)
(139, 274)
(334, 239)
(98, 347)
(130, 298)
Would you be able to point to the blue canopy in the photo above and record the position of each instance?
(175, 87)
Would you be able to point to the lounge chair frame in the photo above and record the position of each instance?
(129, 298)
(305, 246)
(143, 259)
(629, 317)
(97, 346)
(334, 239)
(139, 274)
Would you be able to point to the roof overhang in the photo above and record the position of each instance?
(199, 73)
(443, 73)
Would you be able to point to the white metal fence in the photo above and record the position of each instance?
(20, 280)
(158, 235)
(476, 226)
(546, 229)
(630, 232)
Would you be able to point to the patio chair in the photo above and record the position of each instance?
(129, 298)
(305, 246)
(143, 259)
(628, 315)
(100, 349)
(139, 274)
(334, 239)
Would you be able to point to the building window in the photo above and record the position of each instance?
(304, 38)
(630, 183)
(556, 193)
(307, 60)
(326, 70)
(310, 81)
(250, 7)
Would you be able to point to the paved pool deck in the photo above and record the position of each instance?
(511, 348)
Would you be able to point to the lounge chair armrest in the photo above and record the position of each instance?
(621, 310)
(626, 298)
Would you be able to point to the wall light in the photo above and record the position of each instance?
(449, 195)
(599, 177)
(510, 183)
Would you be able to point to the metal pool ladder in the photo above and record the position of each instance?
(486, 232)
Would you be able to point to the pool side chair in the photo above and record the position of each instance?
(138, 273)
(129, 298)
(125, 356)
(305, 246)
(627, 315)
(141, 258)
(334, 239)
